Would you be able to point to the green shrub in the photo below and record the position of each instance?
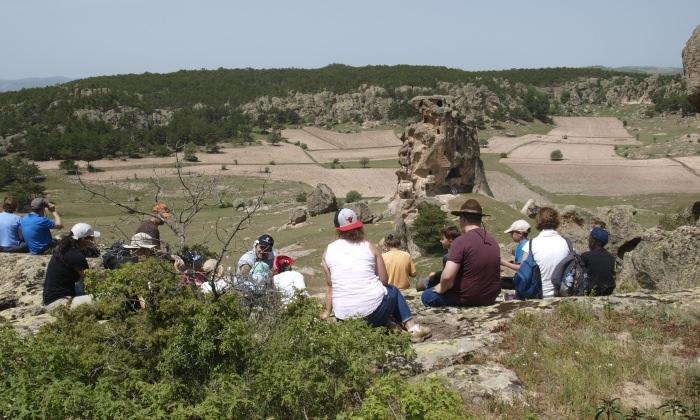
(189, 356)
(556, 155)
(503, 155)
(353, 196)
(69, 167)
(364, 162)
(427, 226)
(301, 197)
(190, 152)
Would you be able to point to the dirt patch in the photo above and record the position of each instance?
(586, 152)
(617, 178)
(606, 127)
(260, 155)
(302, 136)
(373, 153)
(374, 138)
(370, 182)
(638, 395)
(507, 189)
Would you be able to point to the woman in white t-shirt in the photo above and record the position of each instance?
(356, 279)
(548, 248)
(287, 280)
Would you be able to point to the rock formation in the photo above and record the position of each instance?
(663, 260)
(691, 67)
(298, 215)
(440, 154)
(321, 200)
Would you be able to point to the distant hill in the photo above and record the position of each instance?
(31, 82)
(150, 114)
(665, 71)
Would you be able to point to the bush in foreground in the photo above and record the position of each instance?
(190, 356)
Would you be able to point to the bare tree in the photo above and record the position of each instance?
(198, 193)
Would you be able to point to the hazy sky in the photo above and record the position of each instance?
(80, 38)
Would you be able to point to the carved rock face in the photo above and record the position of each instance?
(440, 154)
(691, 68)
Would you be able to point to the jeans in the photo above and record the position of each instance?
(431, 298)
(393, 306)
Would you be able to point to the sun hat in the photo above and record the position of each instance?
(345, 220)
(83, 230)
(39, 203)
(162, 210)
(141, 240)
(518, 226)
(470, 206)
(600, 234)
(265, 241)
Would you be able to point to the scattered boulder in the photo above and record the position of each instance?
(475, 383)
(298, 215)
(321, 200)
(691, 68)
(361, 208)
(663, 260)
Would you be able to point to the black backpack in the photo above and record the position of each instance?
(116, 255)
(570, 277)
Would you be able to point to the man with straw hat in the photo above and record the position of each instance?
(471, 276)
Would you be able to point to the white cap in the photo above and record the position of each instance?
(141, 240)
(83, 230)
(518, 226)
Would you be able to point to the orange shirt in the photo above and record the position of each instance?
(399, 266)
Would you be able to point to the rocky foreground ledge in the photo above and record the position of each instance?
(462, 337)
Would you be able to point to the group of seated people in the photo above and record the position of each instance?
(361, 281)
(63, 283)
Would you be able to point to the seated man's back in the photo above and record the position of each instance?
(479, 279)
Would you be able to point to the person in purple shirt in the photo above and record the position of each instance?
(10, 235)
(36, 228)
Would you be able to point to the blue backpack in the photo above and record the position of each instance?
(528, 279)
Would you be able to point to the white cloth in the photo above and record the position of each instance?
(357, 291)
(548, 248)
(288, 282)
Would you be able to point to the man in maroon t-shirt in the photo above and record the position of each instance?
(472, 275)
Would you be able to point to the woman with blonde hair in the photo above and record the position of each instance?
(357, 280)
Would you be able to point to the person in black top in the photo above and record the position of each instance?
(600, 264)
(67, 266)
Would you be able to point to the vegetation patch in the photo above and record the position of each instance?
(576, 360)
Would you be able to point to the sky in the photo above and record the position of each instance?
(82, 38)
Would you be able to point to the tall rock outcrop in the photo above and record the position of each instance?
(440, 154)
(691, 67)
(663, 260)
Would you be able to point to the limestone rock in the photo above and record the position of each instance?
(298, 215)
(479, 382)
(663, 260)
(361, 208)
(691, 67)
(21, 287)
(440, 154)
(321, 200)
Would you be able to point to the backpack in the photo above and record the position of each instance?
(570, 276)
(528, 279)
(116, 255)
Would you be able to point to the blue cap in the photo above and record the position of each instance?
(600, 235)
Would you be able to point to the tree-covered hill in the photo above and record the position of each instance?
(150, 113)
